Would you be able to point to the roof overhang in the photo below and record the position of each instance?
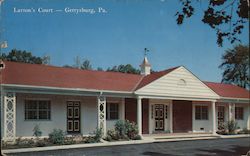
(63, 91)
(175, 98)
(234, 100)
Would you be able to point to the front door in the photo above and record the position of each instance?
(159, 117)
(73, 116)
(221, 117)
(182, 116)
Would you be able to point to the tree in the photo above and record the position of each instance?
(235, 63)
(46, 59)
(226, 17)
(68, 66)
(99, 69)
(128, 68)
(86, 65)
(21, 56)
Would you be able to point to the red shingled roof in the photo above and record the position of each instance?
(228, 90)
(44, 75)
(153, 76)
(51, 76)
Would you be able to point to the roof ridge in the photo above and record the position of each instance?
(53, 66)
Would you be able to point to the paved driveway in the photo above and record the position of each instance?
(215, 147)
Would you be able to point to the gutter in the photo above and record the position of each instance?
(23, 88)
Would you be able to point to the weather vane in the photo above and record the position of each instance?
(145, 51)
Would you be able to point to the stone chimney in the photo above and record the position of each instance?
(145, 67)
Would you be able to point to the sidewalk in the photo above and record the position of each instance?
(146, 139)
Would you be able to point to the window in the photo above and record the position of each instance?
(201, 112)
(37, 110)
(112, 112)
(182, 82)
(239, 113)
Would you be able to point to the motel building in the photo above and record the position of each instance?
(79, 101)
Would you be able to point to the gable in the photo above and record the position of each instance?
(178, 83)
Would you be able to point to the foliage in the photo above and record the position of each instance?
(68, 66)
(41, 143)
(112, 135)
(235, 63)
(98, 133)
(228, 128)
(86, 65)
(244, 131)
(56, 136)
(21, 56)
(124, 130)
(137, 137)
(99, 69)
(231, 126)
(121, 129)
(24, 142)
(131, 129)
(227, 18)
(36, 131)
(128, 68)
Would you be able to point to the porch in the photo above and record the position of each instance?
(82, 114)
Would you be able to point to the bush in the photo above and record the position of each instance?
(56, 136)
(231, 126)
(137, 137)
(98, 134)
(244, 131)
(69, 141)
(124, 130)
(36, 131)
(40, 143)
(90, 139)
(112, 135)
(121, 129)
(96, 138)
(131, 129)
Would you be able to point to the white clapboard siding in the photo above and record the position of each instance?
(168, 85)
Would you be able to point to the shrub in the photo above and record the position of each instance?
(121, 129)
(108, 138)
(131, 129)
(112, 135)
(36, 131)
(40, 143)
(244, 131)
(90, 139)
(56, 136)
(96, 138)
(98, 134)
(137, 137)
(69, 140)
(231, 126)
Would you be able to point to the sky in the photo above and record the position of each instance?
(117, 34)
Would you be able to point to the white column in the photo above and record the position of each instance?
(9, 109)
(139, 115)
(122, 109)
(231, 111)
(101, 104)
(213, 117)
(171, 117)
